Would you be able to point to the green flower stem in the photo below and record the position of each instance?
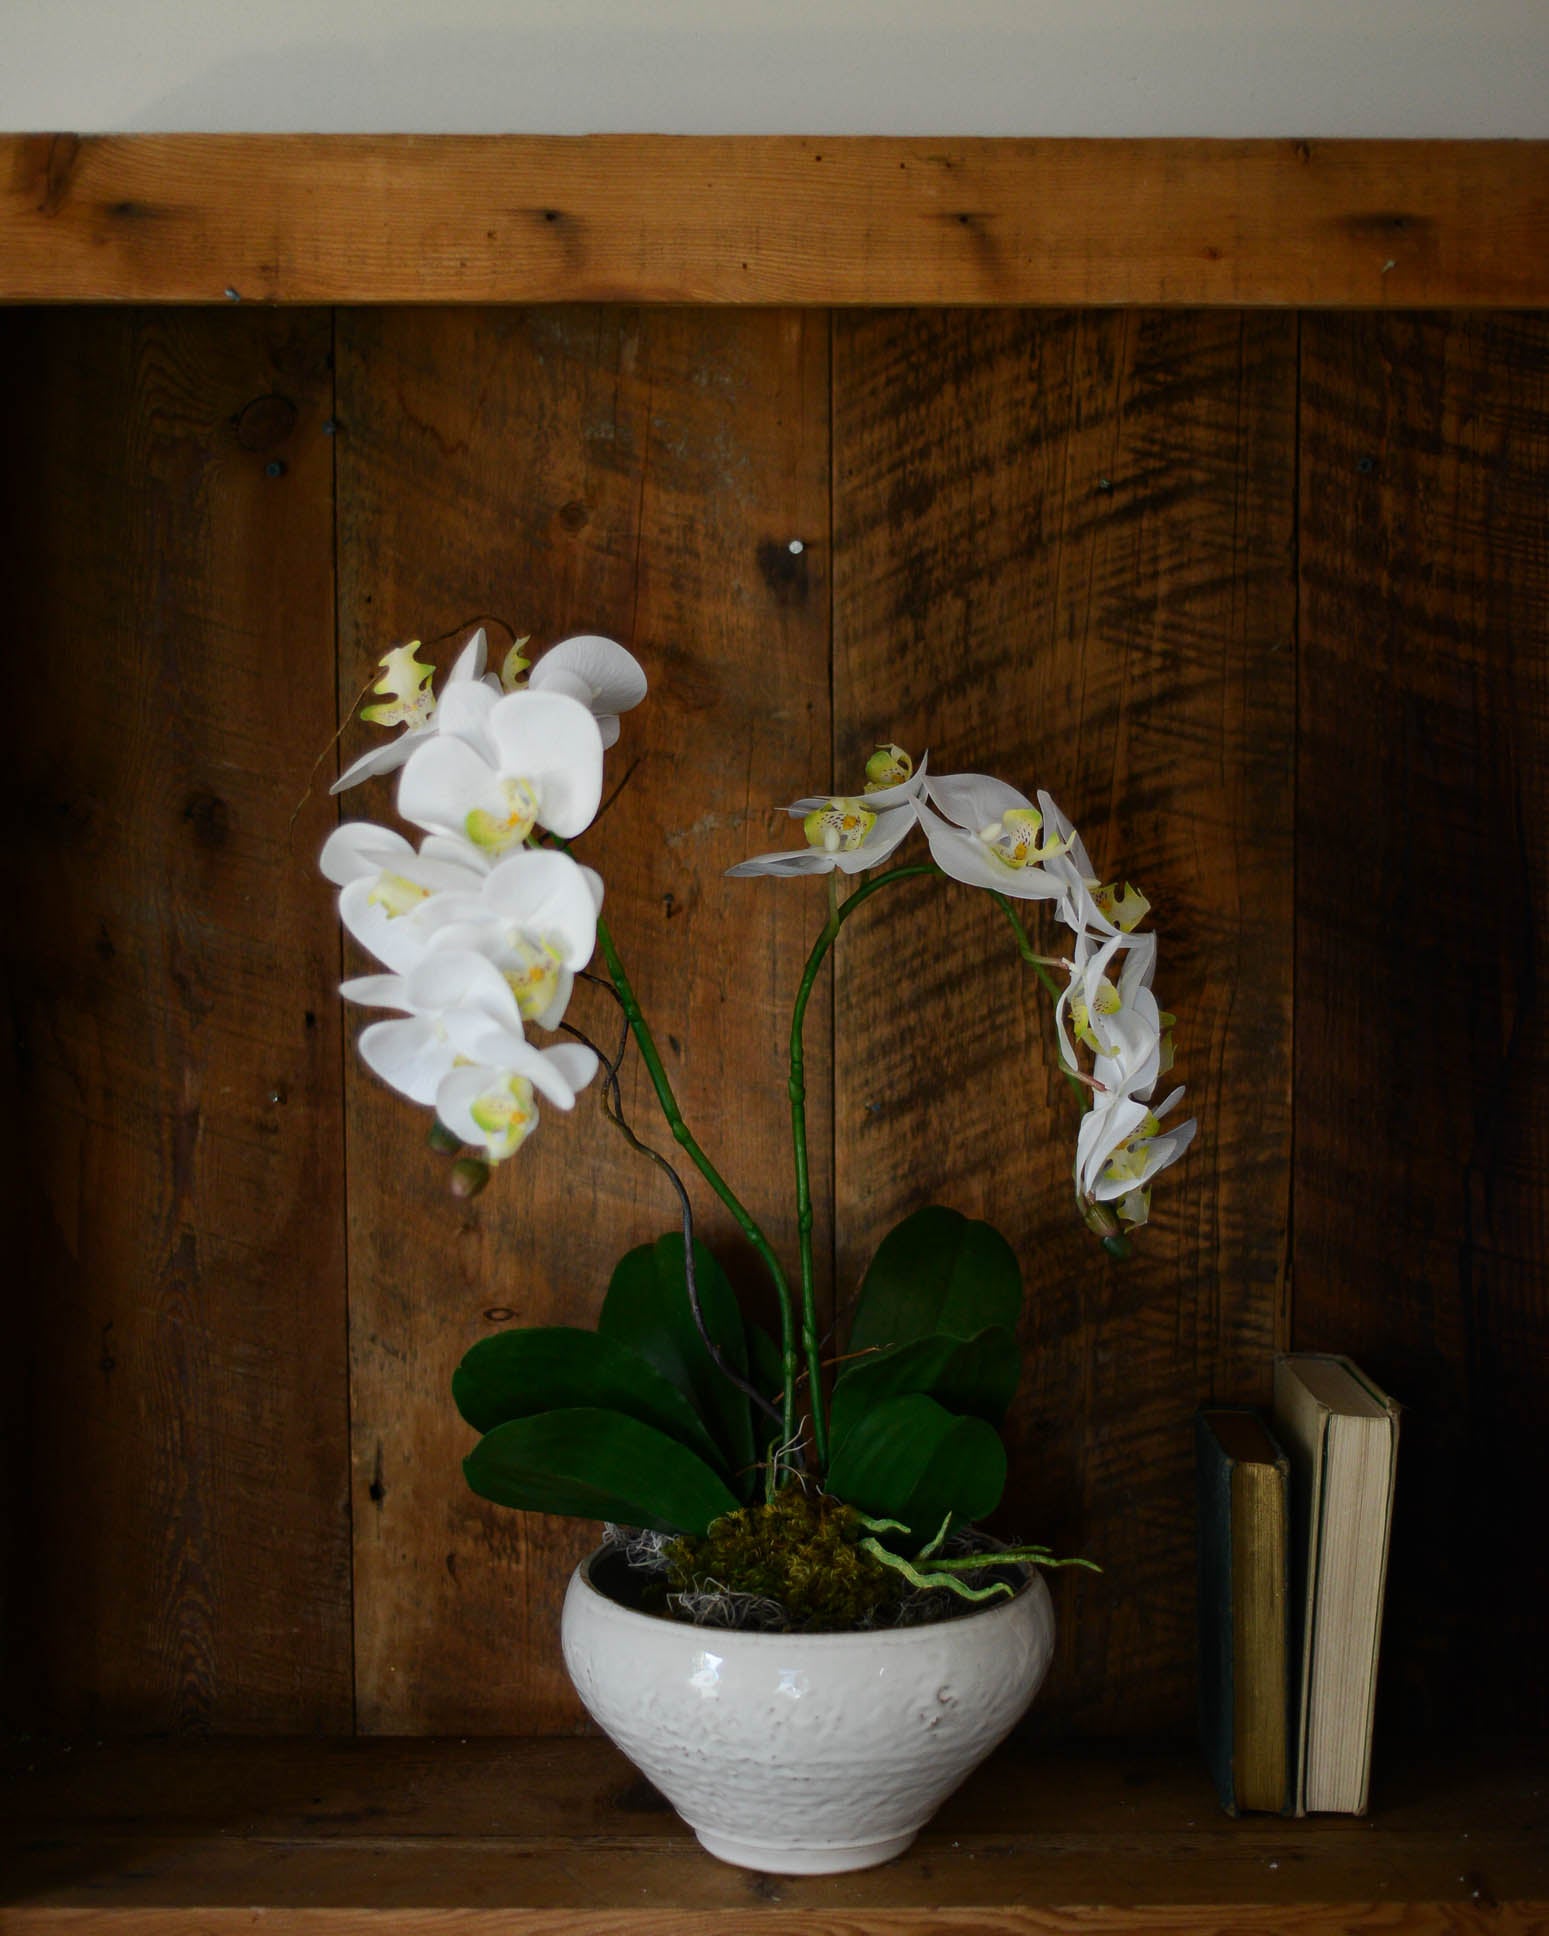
(797, 1088)
(649, 1055)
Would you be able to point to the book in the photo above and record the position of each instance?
(1246, 1678)
(1342, 1436)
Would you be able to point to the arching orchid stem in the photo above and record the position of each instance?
(613, 1109)
(650, 1056)
(797, 1089)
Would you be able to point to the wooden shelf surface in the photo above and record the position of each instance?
(419, 1837)
(771, 219)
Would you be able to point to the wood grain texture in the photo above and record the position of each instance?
(176, 1331)
(562, 1835)
(1422, 1094)
(1196, 1919)
(1063, 557)
(759, 219)
(641, 475)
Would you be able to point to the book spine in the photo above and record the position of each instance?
(1217, 1725)
(1261, 1636)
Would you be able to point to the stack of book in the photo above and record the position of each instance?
(1294, 1519)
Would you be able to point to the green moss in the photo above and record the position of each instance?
(800, 1549)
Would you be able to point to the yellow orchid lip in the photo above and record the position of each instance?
(839, 827)
(1013, 838)
(494, 834)
(1125, 907)
(506, 1116)
(534, 979)
(405, 684)
(889, 766)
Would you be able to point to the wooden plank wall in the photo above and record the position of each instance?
(1261, 602)
(177, 1326)
(1422, 1092)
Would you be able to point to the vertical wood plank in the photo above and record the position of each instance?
(1422, 1091)
(177, 1329)
(640, 474)
(1063, 556)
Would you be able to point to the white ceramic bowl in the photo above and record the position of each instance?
(805, 1754)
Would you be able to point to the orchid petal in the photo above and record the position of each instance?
(361, 847)
(553, 741)
(464, 714)
(410, 1055)
(554, 1014)
(567, 1063)
(547, 893)
(394, 940)
(446, 785)
(376, 991)
(894, 824)
(383, 759)
(1160, 1153)
(800, 860)
(449, 980)
(973, 800)
(1102, 1130)
(452, 850)
(965, 857)
(470, 661)
(612, 676)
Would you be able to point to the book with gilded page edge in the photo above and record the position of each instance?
(1246, 1658)
(1342, 1435)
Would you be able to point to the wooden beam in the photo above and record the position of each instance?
(772, 219)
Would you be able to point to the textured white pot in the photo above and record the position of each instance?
(805, 1754)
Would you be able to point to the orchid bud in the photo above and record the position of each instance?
(1101, 1219)
(889, 766)
(469, 1176)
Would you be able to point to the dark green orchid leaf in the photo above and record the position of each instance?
(912, 1460)
(647, 1311)
(552, 1368)
(938, 1271)
(976, 1378)
(590, 1463)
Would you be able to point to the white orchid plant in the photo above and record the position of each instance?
(677, 1411)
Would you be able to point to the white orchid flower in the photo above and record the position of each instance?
(848, 832)
(461, 1013)
(991, 836)
(453, 1000)
(1089, 904)
(1121, 1146)
(411, 705)
(531, 759)
(492, 1103)
(534, 916)
(598, 672)
(1119, 1022)
(384, 884)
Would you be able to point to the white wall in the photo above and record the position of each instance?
(1165, 67)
